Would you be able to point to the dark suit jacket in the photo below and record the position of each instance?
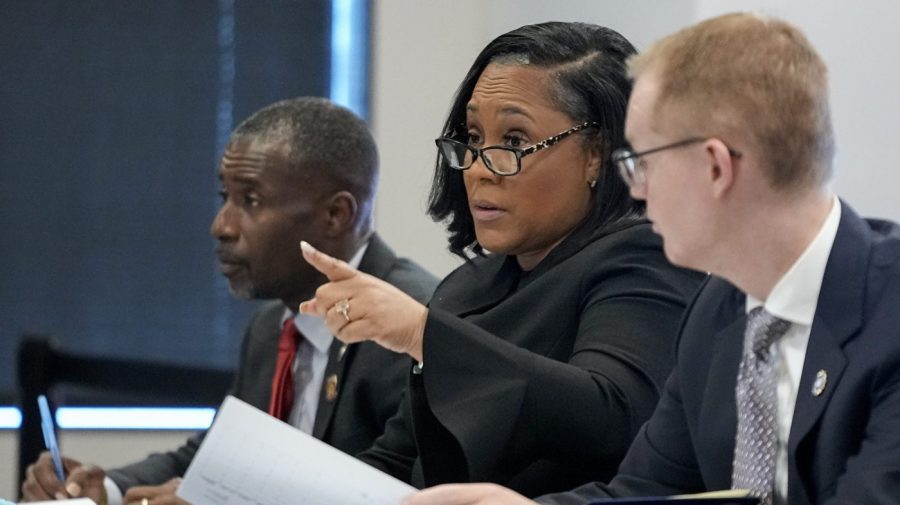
(844, 444)
(519, 367)
(370, 378)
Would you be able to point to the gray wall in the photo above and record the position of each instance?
(422, 49)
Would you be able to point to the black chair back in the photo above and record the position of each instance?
(43, 367)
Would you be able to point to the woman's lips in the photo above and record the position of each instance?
(486, 211)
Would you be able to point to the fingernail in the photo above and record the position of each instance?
(305, 247)
(73, 488)
(302, 308)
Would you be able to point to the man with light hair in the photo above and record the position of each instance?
(787, 382)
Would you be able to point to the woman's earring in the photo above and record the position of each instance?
(592, 184)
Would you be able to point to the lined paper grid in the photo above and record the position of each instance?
(250, 457)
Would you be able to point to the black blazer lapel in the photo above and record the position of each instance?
(482, 286)
(717, 424)
(377, 261)
(823, 359)
(839, 316)
(496, 276)
(338, 357)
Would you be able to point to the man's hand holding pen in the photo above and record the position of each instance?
(41, 482)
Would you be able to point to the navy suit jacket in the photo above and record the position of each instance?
(844, 443)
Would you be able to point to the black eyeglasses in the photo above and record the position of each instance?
(500, 160)
(634, 174)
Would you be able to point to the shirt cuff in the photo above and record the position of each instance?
(113, 493)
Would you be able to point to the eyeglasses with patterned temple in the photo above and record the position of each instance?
(500, 160)
(635, 174)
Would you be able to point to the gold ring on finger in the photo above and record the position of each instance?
(343, 308)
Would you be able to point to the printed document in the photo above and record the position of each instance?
(250, 457)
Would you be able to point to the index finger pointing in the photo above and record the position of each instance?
(331, 267)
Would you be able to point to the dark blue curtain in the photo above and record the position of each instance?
(112, 117)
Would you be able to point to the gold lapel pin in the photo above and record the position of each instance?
(331, 387)
(820, 382)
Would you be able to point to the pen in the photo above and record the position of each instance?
(50, 437)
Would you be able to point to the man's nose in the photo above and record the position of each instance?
(222, 226)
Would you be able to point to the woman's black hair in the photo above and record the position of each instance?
(590, 83)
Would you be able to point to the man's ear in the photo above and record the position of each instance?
(343, 210)
(721, 167)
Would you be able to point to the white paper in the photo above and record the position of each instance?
(251, 457)
(70, 501)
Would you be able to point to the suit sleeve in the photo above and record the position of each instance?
(394, 452)
(872, 475)
(661, 460)
(159, 468)
(505, 404)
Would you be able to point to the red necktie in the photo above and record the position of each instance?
(283, 380)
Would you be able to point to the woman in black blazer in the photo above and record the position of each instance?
(536, 362)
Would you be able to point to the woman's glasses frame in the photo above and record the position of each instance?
(450, 148)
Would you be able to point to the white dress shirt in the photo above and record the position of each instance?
(309, 373)
(311, 361)
(794, 298)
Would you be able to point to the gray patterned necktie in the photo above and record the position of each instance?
(757, 436)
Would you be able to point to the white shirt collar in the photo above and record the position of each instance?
(313, 327)
(796, 294)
